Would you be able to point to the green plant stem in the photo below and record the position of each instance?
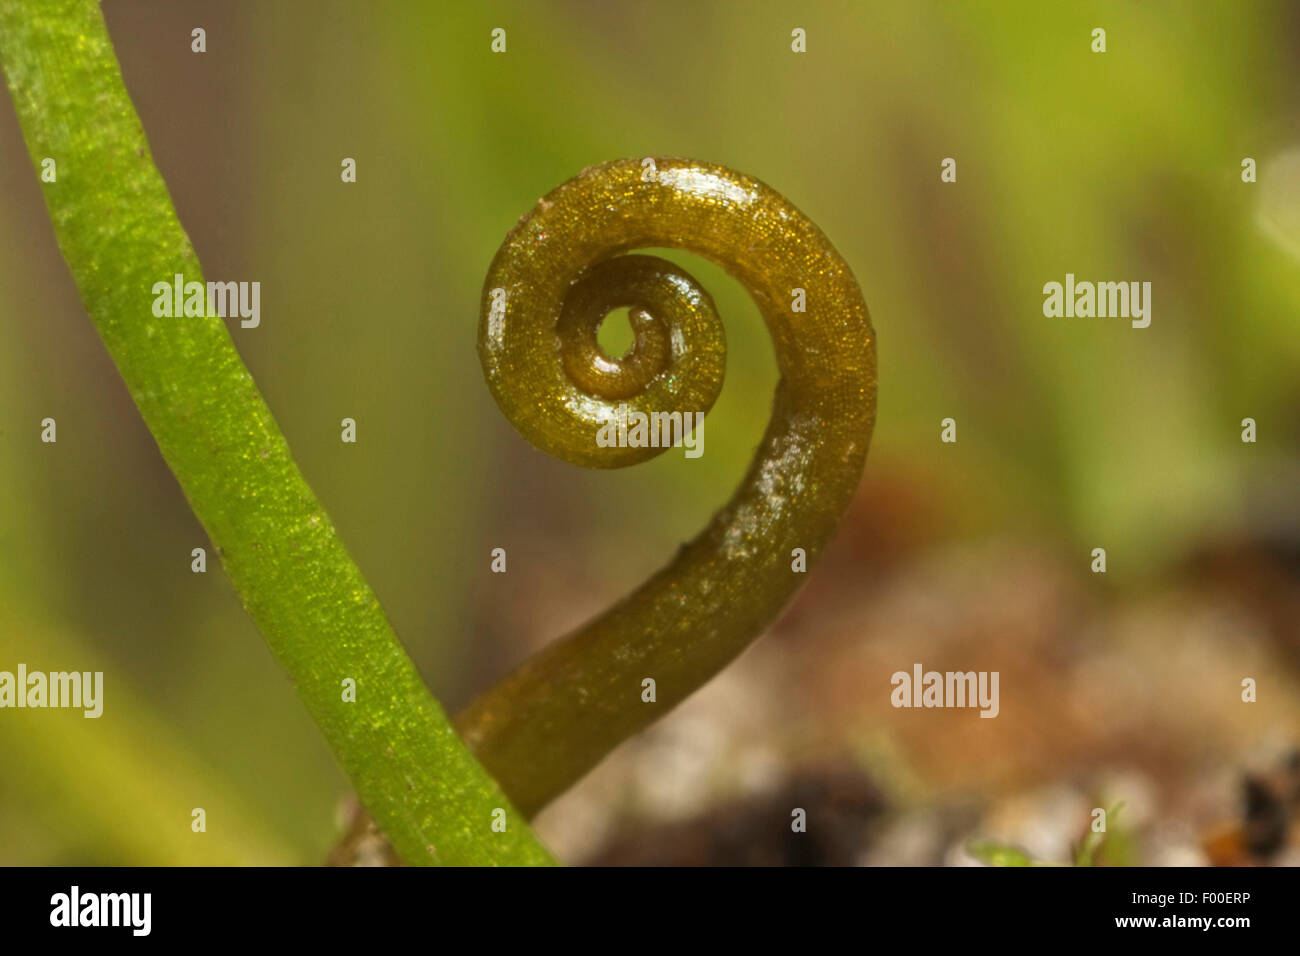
(116, 227)
(551, 284)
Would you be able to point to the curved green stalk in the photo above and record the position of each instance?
(557, 275)
(116, 227)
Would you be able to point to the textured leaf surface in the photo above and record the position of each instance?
(116, 227)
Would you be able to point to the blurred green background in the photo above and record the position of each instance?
(1072, 433)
